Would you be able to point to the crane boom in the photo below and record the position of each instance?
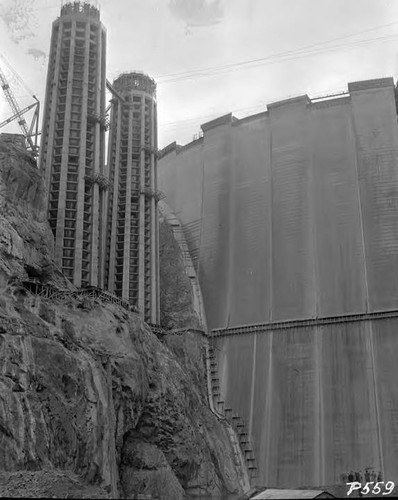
(24, 110)
(18, 114)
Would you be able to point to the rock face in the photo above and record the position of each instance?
(47, 484)
(91, 402)
(175, 292)
(25, 237)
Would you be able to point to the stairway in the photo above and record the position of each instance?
(236, 422)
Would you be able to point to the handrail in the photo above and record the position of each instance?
(50, 291)
(300, 323)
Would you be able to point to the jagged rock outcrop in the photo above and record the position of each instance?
(47, 484)
(175, 291)
(26, 239)
(88, 394)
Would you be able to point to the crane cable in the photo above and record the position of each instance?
(16, 75)
(272, 59)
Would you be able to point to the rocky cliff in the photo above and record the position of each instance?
(92, 403)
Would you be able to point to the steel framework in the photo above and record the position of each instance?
(302, 323)
(31, 133)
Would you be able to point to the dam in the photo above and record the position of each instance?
(291, 216)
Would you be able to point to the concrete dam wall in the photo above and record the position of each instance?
(318, 401)
(292, 214)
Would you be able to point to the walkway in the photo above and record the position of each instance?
(302, 323)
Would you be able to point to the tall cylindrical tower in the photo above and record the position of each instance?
(73, 141)
(132, 263)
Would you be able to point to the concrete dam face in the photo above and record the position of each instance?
(292, 214)
(318, 401)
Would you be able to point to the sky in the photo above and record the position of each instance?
(212, 57)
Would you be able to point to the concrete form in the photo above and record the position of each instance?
(73, 141)
(132, 264)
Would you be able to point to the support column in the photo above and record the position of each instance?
(53, 80)
(59, 240)
(104, 194)
(116, 121)
(95, 215)
(127, 221)
(141, 259)
(154, 220)
(77, 272)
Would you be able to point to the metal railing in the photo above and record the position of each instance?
(302, 323)
(51, 292)
(237, 423)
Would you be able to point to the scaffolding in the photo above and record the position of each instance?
(152, 193)
(103, 120)
(132, 212)
(73, 141)
(48, 291)
(97, 178)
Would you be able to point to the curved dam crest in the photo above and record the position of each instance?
(292, 214)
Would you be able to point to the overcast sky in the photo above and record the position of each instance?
(195, 50)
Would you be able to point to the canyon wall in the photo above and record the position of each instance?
(92, 403)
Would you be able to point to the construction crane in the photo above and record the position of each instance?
(31, 133)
